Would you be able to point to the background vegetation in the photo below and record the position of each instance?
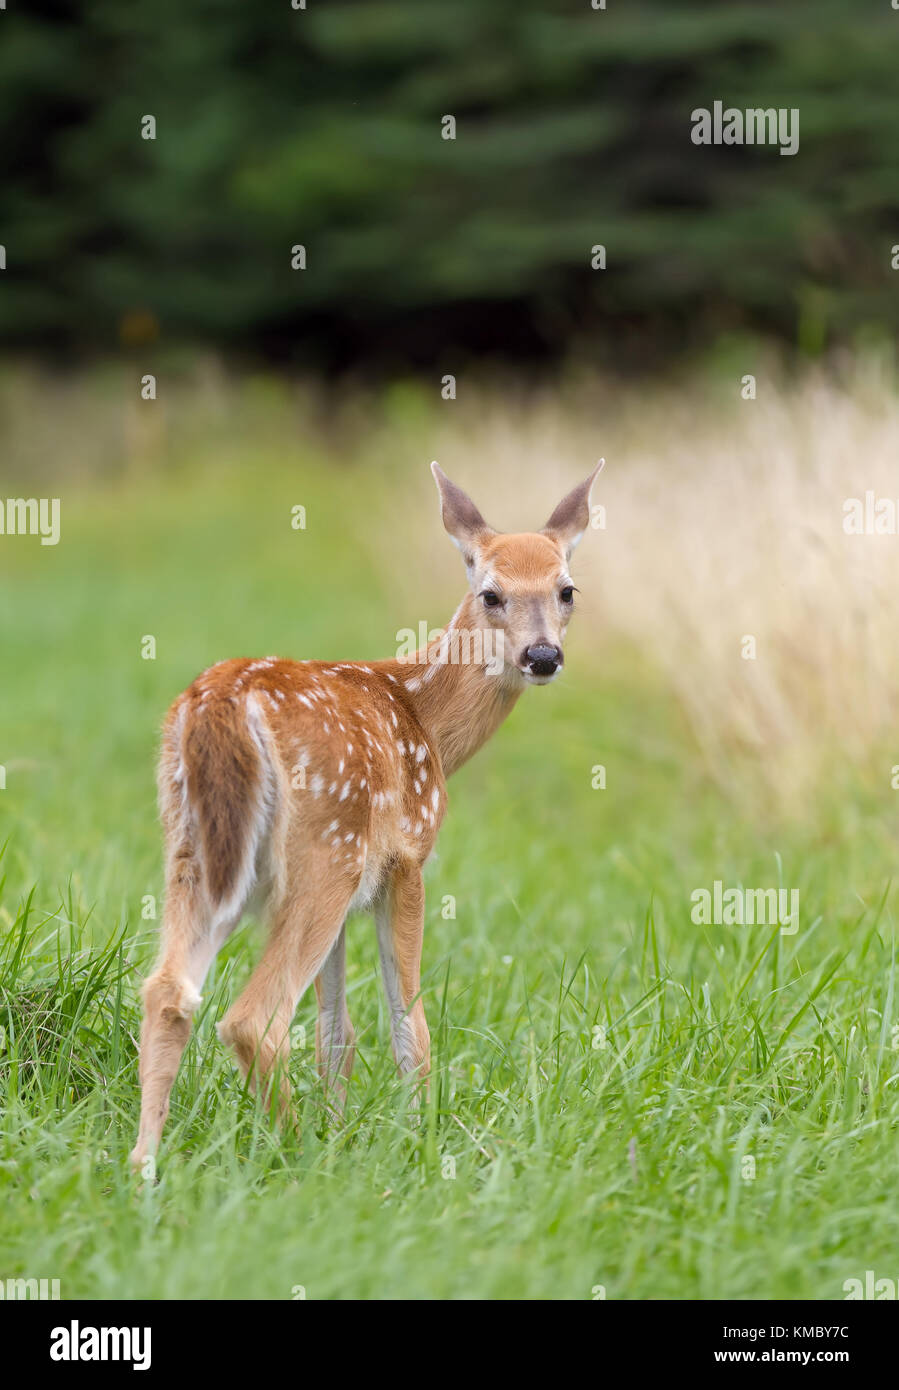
(624, 1101)
(322, 127)
(607, 1072)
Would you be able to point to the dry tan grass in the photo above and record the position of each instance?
(724, 518)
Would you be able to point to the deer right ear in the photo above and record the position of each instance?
(572, 516)
(461, 517)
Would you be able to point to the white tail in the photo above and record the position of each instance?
(320, 787)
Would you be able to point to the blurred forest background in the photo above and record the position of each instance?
(322, 127)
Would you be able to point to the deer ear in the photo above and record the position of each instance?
(461, 517)
(572, 516)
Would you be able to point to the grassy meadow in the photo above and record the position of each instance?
(624, 1104)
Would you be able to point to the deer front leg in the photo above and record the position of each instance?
(399, 915)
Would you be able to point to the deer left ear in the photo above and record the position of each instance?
(572, 516)
(461, 517)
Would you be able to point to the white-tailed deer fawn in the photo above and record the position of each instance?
(319, 787)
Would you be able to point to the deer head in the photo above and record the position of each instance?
(520, 584)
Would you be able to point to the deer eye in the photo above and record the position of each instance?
(491, 600)
(567, 594)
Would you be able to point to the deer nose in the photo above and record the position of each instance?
(543, 659)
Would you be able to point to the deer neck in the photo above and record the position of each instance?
(458, 688)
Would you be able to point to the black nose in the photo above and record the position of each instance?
(543, 659)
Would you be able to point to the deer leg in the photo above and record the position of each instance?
(335, 1040)
(191, 938)
(258, 1023)
(399, 915)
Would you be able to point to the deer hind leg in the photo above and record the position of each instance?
(302, 934)
(335, 1040)
(191, 937)
(217, 797)
(399, 915)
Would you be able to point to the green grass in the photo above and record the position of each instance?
(603, 1068)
